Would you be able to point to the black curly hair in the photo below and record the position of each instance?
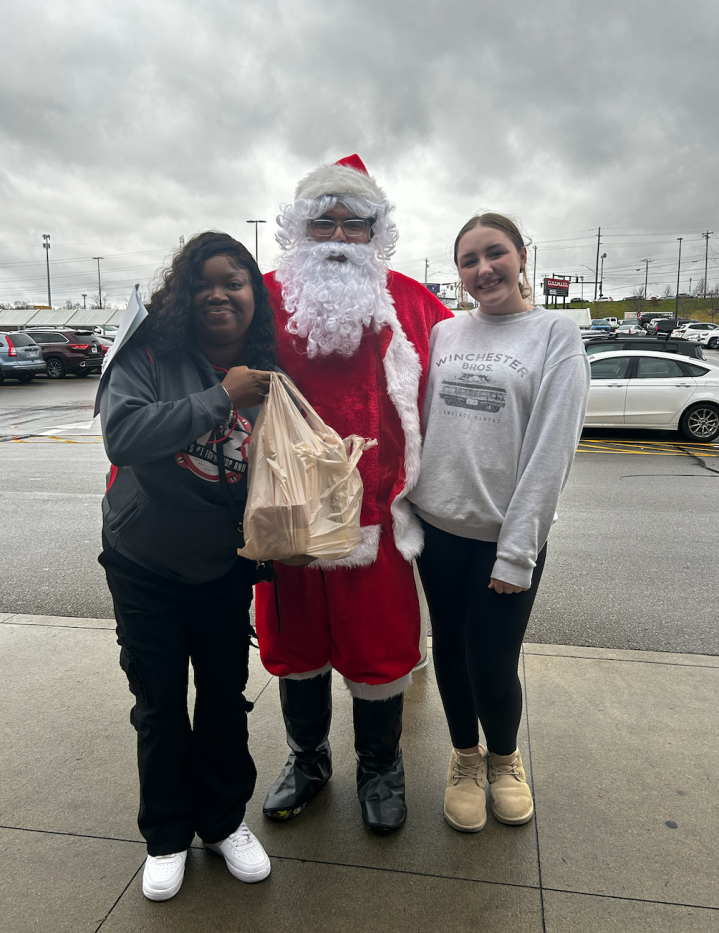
(169, 325)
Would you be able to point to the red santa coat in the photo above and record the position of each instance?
(377, 393)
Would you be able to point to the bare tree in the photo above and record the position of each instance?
(668, 293)
(698, 290)
(95, 301)
(637, 304)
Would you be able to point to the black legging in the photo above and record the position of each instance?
(476, 638)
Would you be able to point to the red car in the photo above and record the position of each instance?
(68, 351)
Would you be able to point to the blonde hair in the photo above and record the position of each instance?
(506, 225)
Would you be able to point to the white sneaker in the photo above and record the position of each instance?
(163, 875)
(243, 852)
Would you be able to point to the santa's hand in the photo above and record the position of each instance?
(302, 561)
(246, 387)
(500, 586)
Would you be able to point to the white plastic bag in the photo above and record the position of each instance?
(304, 489)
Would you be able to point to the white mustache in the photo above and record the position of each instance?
(359, 254)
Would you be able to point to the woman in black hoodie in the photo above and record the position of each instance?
(178, 405)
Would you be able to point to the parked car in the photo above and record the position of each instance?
(20, 358)
(645, 389)
(646, 317)
(613, 342)
(106, 331)
(602, 323)
(68, 351)
(704, 338)
(629, 329)
(664, 328)
(685, 329)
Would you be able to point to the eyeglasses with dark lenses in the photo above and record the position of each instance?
(353, 229)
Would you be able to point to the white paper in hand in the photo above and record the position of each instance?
(135, 314)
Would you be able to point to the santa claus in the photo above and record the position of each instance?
(354, 336)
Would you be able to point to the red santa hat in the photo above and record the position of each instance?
(348, 176)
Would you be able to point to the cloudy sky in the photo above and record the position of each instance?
(125, 125)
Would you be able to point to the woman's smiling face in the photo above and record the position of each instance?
(223, 303)
(490, 267)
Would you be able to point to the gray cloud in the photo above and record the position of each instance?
(125, 125)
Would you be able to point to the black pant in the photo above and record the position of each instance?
(476, 638)
(199, 778)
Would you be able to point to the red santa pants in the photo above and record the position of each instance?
(363, 621)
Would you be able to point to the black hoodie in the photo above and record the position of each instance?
(165, 506)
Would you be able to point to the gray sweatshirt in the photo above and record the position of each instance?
(502, 416)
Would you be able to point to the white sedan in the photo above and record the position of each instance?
(646, 389)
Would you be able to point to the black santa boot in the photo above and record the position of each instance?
(307, 710)
(380, 770)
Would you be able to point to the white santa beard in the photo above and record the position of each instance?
(329, 303)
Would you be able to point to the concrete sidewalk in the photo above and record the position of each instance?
(620, 745)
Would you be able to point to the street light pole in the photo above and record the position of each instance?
(99, 283)
(706, 259)
(46, 247)
(596, 270)
(84, 304)
(534, 276)
(646, 274)
(679, 267)
(601, 278)
(255, 222)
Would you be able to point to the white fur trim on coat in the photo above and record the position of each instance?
(363, 555)
(338, 179)
(309, 675)
(378, 691)
(402, 371)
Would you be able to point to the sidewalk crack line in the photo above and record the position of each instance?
(531, 766)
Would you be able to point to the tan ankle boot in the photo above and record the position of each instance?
(465, 801)
(511, 797)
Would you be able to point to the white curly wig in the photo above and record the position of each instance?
(322, 190)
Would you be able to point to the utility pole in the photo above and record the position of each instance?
(646, 275)
(46, 247)
(84, 304)
(534, 276)
(99, 282)
(596, 269)
(426, 270)
(182, 241)
(679, 267)
(582, 280)
(256, 222)
(706, 258)
(601, 278)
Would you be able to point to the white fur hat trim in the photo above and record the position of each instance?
(332, 179)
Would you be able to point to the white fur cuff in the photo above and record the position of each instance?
(378, 691)
(363, 555)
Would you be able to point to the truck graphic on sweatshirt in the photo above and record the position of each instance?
(471, 391)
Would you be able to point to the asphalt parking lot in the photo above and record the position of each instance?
(629, 565)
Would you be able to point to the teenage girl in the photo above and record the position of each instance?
(503, 412)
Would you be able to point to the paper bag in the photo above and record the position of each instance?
(304, 489)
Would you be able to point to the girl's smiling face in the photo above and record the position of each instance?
(490, 266)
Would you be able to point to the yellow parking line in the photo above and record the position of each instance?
(55, 439)
(650, 448)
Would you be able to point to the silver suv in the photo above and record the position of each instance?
(20, 358)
